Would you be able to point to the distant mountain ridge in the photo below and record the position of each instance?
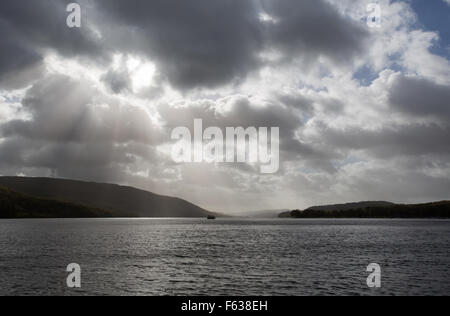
(119, 201)
(351, 206)
(377, 209)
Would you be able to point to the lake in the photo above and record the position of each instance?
(224, 256)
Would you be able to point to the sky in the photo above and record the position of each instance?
(363, 112)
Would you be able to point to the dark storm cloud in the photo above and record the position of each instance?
(421, 98)
(201, 43)
(28, 29)
(309, 28)
(9, 152)
(43, 25)
(195, 43)
(15, 57)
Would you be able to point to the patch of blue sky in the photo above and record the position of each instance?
(12, 99)
(365, 75)
(434, 15)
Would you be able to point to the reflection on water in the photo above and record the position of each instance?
(224, 257)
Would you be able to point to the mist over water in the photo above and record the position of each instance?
(224, 257)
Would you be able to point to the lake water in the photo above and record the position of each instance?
(224, 257)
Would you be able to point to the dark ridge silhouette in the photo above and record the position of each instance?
(17, 205)
(119, 201)
(374, 210)
(351, 206)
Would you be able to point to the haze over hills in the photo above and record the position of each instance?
(258, 213)
(119, 201)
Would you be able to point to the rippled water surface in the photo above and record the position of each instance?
(224, 257)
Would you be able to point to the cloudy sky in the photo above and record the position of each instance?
(364, 113)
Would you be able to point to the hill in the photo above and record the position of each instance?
(351, 206)
(119, 201)
(17, 205)
(374, 210)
